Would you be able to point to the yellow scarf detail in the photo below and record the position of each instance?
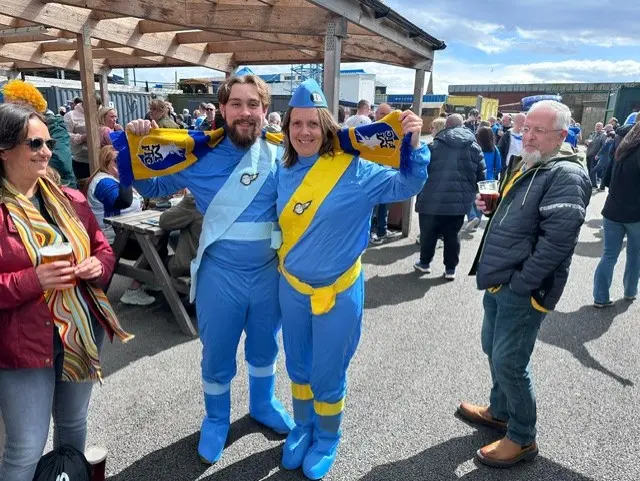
(296, 217)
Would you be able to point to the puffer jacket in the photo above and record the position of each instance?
(529, 240)
(623, 203)
(457, 165)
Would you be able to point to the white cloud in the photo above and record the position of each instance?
(583, 37)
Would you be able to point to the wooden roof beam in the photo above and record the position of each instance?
(31, 53)
(354, 13)
(200, 14)
(121, 30)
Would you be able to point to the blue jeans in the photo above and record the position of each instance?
(474, 213)
(28, 400)
(614, 233)
(509, 331)
(381, 213)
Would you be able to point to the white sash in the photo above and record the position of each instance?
(233, 198)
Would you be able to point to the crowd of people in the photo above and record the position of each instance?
(282, 250)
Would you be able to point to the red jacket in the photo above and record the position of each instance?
(26, 325)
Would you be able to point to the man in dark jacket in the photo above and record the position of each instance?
(457, 165)
(594, 144)
(523, 263)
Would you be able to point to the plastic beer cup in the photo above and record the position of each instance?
(489, 193)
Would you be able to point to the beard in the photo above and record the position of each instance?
(531, 158)
(244, 141)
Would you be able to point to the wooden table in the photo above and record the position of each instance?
(149, 268)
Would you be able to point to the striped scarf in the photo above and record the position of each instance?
(71, 309)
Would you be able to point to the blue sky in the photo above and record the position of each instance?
(491, 41)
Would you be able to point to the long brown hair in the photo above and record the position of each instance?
(329, 128)
(14, 126)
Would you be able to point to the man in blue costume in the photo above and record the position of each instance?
(234, 275)
(325, 199)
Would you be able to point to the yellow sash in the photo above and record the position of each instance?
(296, 218)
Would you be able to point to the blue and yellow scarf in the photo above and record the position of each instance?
(167, 151)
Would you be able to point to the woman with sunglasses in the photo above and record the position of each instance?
(53, 316)
(325, 199)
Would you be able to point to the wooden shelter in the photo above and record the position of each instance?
(95, 36)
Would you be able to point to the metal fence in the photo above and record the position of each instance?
(129, 105)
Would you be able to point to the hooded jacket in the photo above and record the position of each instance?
(623, 203)
(529, 240)
(61, 155)
(457, 165)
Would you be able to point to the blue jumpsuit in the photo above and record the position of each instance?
(237, 289)
(319, 348)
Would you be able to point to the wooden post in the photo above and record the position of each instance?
(104, 87)
(407, 205)
(336, 31)
(85, 58)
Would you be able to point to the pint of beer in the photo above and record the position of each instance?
(57, 252)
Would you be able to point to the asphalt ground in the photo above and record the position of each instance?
(419, 356)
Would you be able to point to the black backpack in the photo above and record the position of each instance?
(64, 464)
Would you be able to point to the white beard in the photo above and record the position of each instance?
(531, 158)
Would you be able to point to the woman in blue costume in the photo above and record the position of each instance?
(234, 276)
(324, 204)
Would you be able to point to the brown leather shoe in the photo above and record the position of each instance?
(504, 453)
(481, 415)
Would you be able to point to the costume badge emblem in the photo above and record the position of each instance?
(247, 179)
(299, 208)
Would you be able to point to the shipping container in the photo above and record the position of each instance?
(622, 101)
(129, 105)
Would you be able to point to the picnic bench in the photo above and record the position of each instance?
(149, 268)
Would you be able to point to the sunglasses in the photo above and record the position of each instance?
(210, 110)
(37, 143)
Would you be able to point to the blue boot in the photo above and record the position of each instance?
(322, 454)
(299, 440)
(215, 426)
(265, 408)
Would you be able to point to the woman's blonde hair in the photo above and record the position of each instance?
(107, 155)
(438, 124)
(329, 128)
(102, 114)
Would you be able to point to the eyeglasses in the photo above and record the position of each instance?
(539, 130)
(209, 110)
(37, 143)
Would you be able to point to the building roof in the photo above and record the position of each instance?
(408, 98)
(551, 88)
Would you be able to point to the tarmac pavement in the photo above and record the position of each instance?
(419, 356)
